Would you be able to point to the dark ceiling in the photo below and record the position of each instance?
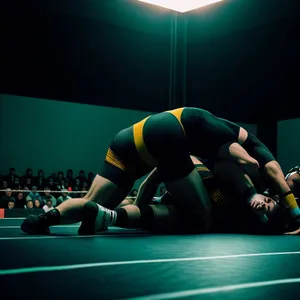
(241, 60)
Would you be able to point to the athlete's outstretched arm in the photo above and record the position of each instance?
(148, 189)
(277, 180)
(241, 185)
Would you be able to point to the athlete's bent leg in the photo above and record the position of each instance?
(191, 192)
(102, 191)
(157, 218)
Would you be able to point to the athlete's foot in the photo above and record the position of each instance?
(35, 225)
(95, 219)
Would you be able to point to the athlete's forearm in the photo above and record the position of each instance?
(147, 189)
(279, 184)
(235, 152)
(240, 185)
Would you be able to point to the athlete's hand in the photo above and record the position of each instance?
(257, 202)
(295, 232)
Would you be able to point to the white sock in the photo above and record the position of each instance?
(111, 218)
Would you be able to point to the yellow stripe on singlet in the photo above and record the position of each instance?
(114, 160)
(144, 154)
(218, 198)
(177, 113)
(202, 168)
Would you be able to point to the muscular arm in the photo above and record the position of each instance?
(147, 189)
(235, 152)
(241, 185)
(279, 184)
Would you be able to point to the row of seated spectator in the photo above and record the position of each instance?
(34, 199)
(12, 182)
(46, 200)
(56, 181)
(51, 196)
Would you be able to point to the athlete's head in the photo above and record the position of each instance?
(293, 180)
(271, 204)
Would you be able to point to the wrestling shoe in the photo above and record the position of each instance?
(95, 219)
(35, 225)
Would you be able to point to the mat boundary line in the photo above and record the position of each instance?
(212, 290)
(132, 262)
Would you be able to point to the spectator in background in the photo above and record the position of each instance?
(64, 196)
(28, 183)
(48, 206)
(40, 180)
(50, 184)
(75, 189)
(61, 185)
(77, 184)
(54, 176)
(70, 173)
(20, 201)
(90, 178)
(37, 203)
(16, 184)
(82, 176)
(69, 182)
(25, 194)
(34, 195)
(4, 185)
(28, 174)
(6, 198)
(84, 186)
(11, 176)
(29, 204)
(48, 196)
(60, 176)
(11, 204)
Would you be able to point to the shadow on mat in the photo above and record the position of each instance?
(106, 233)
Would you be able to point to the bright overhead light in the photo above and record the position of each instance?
(181, 6)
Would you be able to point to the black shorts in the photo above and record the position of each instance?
(157, 141)
(165, 140)
(123, 165)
